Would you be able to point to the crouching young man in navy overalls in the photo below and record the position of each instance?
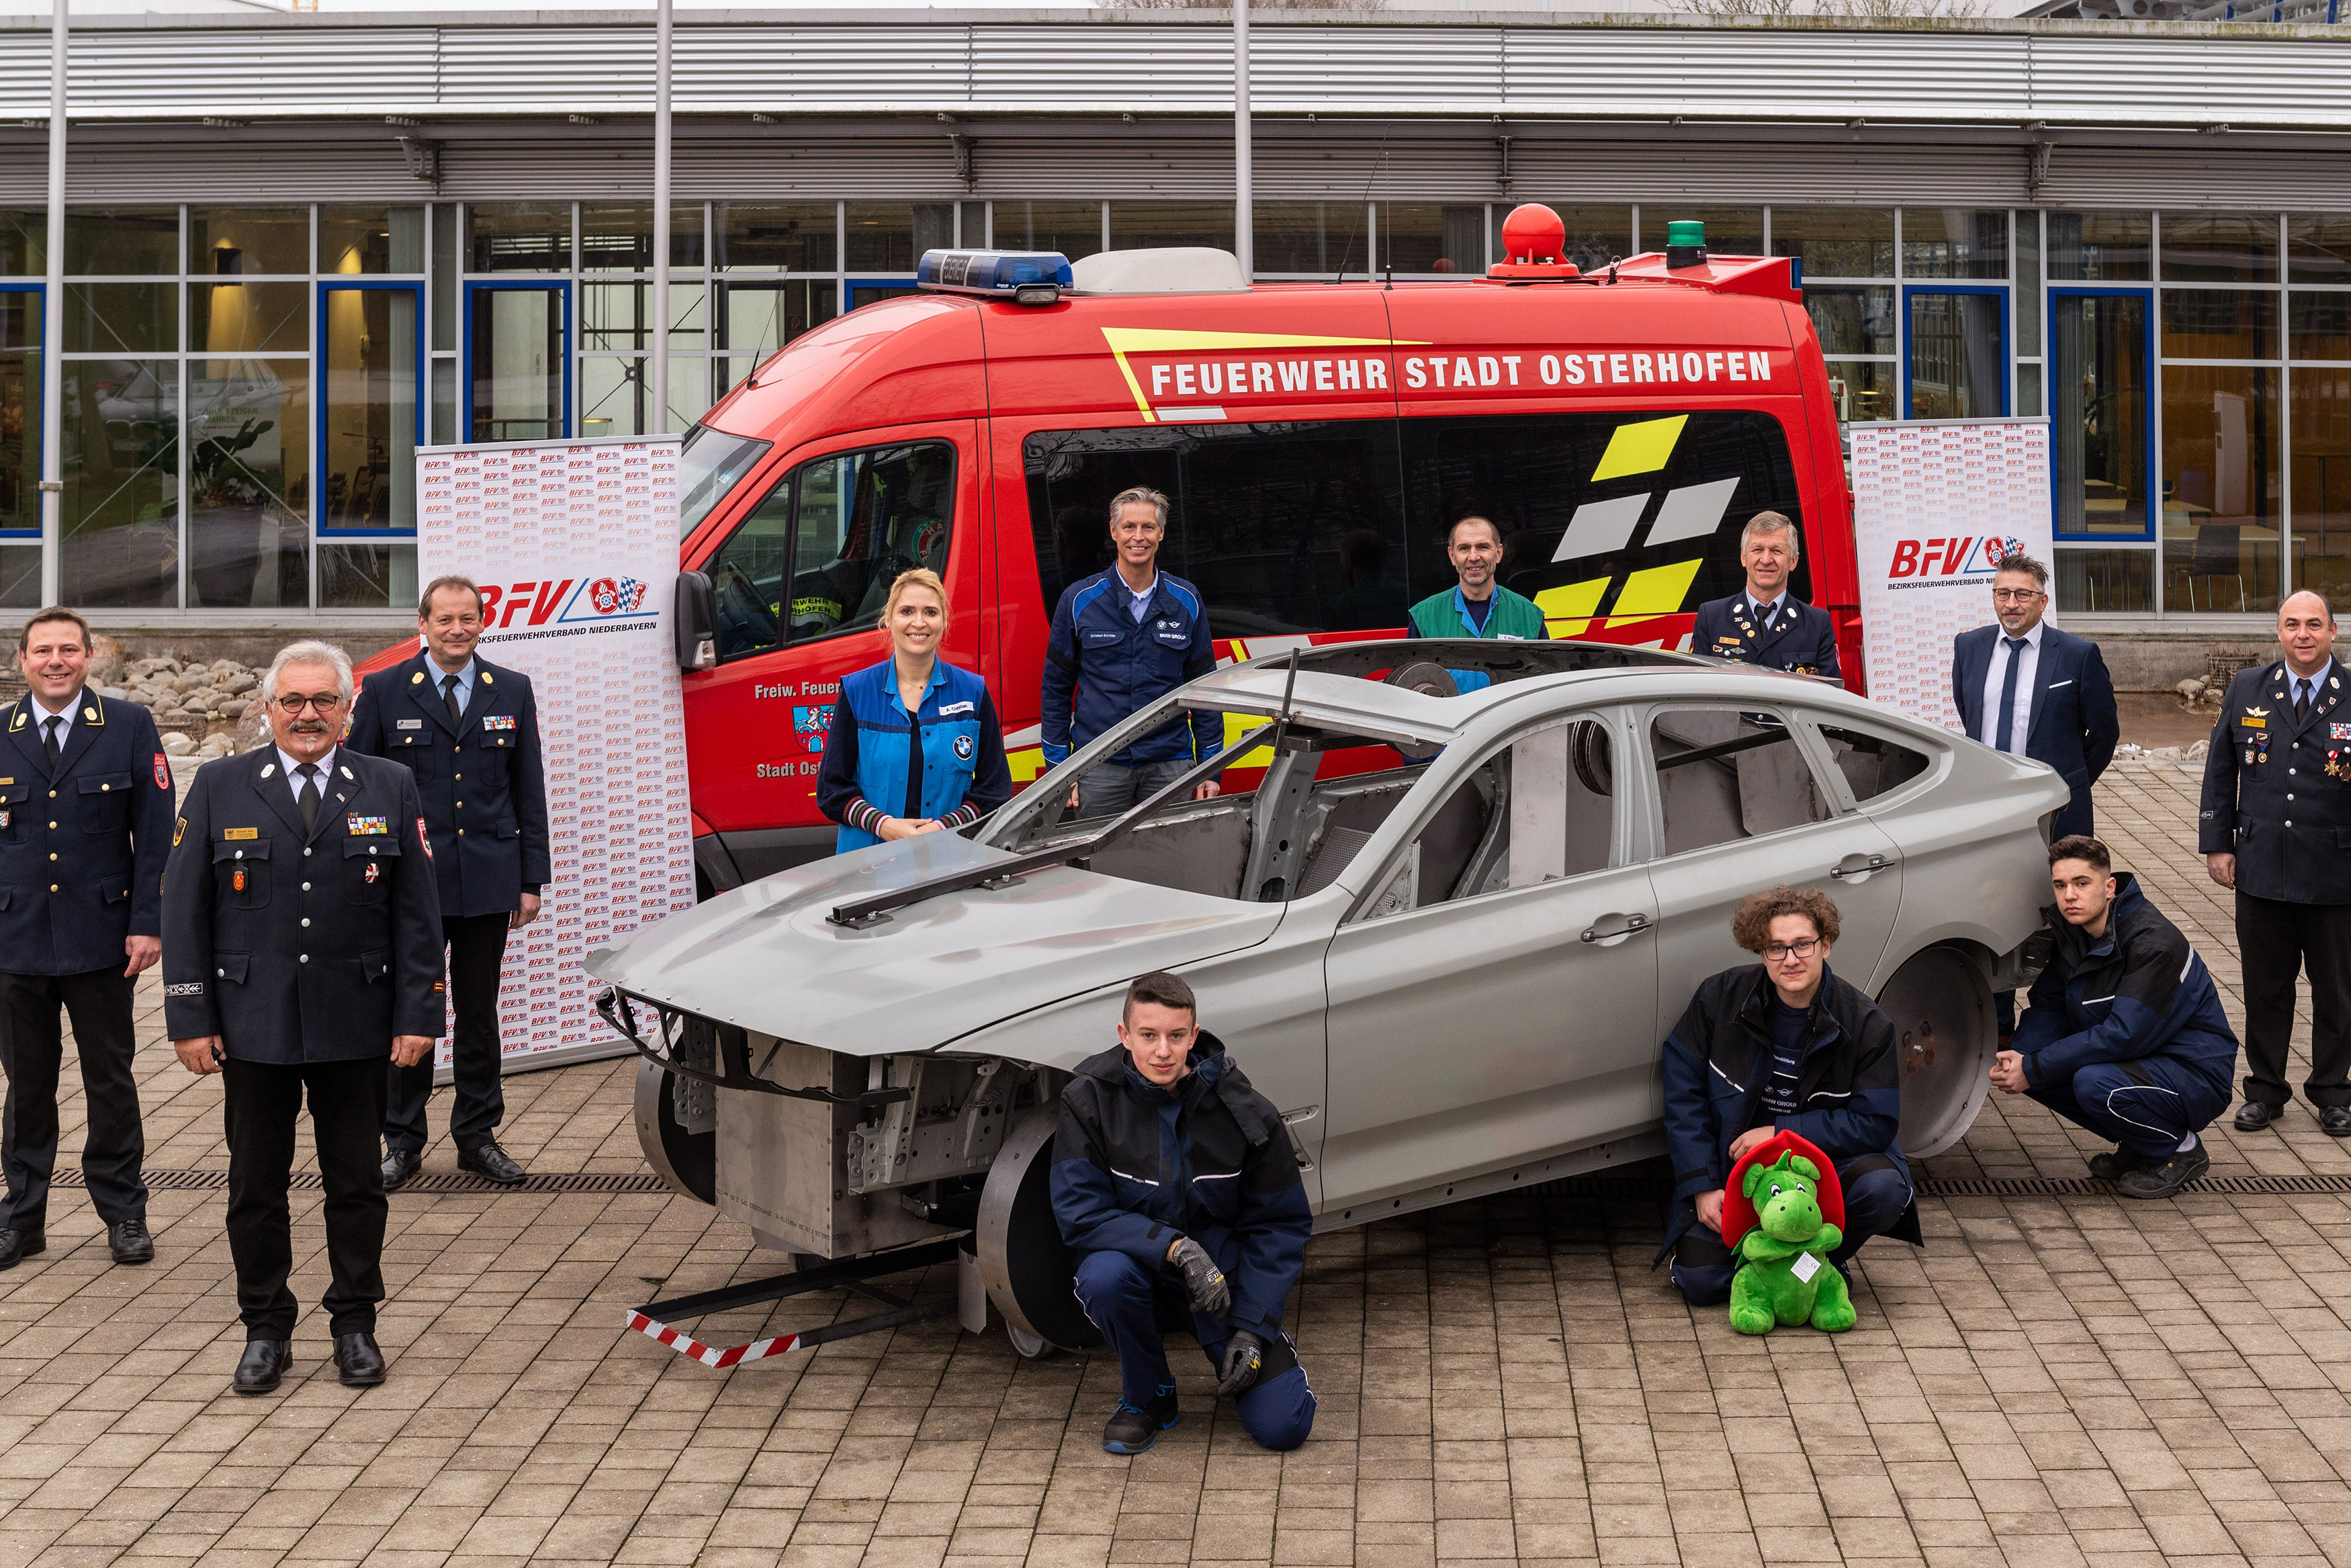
(1175, 1183)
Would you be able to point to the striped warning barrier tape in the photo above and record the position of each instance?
(710, 1354)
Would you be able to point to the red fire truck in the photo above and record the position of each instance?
(1316, 442)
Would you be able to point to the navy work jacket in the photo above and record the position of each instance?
(297, 946)
(483, 788)
(81, 844)
(2139, 990)
(1102, 664)
(1136, 1166)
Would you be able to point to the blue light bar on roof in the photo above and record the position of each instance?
(996, 274)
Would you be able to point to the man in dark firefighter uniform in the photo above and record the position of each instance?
(1765, 624)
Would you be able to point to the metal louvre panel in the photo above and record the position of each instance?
(1137, 66)
(251, 67)
(1378, 68)
(792, 68)
(551, 68)
(1774, 73)
(2241, 81)
(2196, 178)
(209, 168)
(1745, 174)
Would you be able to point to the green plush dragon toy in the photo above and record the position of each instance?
(1783, 1218)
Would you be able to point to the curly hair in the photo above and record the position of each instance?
(1750, 923)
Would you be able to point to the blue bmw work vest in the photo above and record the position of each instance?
(950, 741)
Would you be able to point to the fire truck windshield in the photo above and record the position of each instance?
(710, 464)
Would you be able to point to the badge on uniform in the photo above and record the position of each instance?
(234, 833)
(2338, 731)
(367, 826)
(424, 842)
(497, 721)
(374, 869)
(417, 678)
(2252, 722)
(409, 724)
(236, 880)
(163, 771)
(962, 748)
(178, 830)
(3, 820)
(185, 988)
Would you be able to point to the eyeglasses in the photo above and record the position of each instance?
(1778, 950)
(2016, 595)
(293, 702)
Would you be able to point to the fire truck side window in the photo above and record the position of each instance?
(819, 552)
(1284, 528)
(1626, 515)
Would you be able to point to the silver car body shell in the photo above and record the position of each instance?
(1500, 1082)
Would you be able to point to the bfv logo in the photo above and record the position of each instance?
(604, 598)
(1960, 557)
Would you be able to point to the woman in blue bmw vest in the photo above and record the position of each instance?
(887, 775)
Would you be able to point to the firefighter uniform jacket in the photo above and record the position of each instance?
(1136, 1166)
(2277, 790)
(294, 946)
(1804, 637)
(485, 793)
(82, 844)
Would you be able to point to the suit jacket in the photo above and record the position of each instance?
(485, 793)
(1803, 638)
(2277, 793)
(82, 845)
(296, 946)
(2074, 725)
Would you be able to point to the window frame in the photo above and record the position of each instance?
(1812, 722)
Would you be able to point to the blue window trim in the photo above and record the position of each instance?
(32, 407)
(320, 381)
(849, 285)
(2007, 336)
(466, 346)
(2152, 533)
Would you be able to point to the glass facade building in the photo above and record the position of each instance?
(245, 386)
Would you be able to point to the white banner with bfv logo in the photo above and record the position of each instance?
(1936, 505)
(574, 544)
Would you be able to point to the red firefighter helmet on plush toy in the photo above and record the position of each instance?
(1738, 1211)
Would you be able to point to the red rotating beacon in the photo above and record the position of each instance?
(1534, 248)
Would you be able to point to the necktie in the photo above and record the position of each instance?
(49, 728)
(449, 695)
(1765, 613)
(2301, 702)
(308, 795)
(2006, 723)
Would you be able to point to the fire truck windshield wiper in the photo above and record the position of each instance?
(858, 913)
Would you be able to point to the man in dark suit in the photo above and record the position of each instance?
(2026, 687)
(468, 730)
(1767, 624)
(2276, 827)
(85, 815)
(301, 947)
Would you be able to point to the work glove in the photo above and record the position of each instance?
(1244, 1357)
(1203, 1280)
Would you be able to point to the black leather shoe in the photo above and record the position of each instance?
(129, 1243)
(2166, 1179)
(398, 1167)
(357, 1362)
(16, 1246)
(2253, 1115)
(2334, 1121)
(264, 1362)
(490, 1162)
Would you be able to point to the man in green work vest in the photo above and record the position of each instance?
(1478, 606)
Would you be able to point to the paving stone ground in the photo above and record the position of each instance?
(2051, 1381)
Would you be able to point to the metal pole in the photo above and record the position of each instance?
(53, 326)
(1244, 222)
(661, 223)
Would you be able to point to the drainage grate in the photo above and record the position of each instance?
(1602, 1189)
(439, 1181)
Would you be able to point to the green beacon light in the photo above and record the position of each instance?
(1685, 243)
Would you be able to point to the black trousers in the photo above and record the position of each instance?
(32, 1052)
(477, 949)
(2275, 942)
(261, 1103)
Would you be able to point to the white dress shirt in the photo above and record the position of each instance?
(2028, 658)
(326, 766)
(42, 715)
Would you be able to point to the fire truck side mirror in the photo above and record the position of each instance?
(697, 622)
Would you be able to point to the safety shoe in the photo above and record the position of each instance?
(2166, 1179)
(128, 1242)
(1129, 1430)
(16, 1246)
(491, 1163)
(2111, 1167)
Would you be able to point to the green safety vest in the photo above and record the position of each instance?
(1513, 616)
